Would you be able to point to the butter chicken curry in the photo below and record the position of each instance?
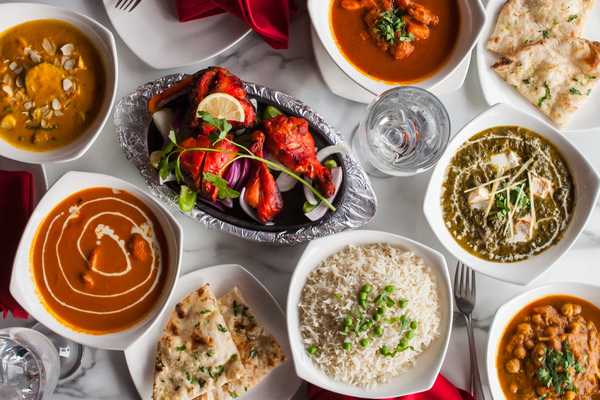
(396, 40)
(100, 260)
(551, 351)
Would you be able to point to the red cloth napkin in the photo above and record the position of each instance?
(442, 390)
(269, 18)
(16, 205)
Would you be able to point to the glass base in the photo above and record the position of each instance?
(69, 352)
(369, 168)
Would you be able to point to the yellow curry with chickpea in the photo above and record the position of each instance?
(551, 351)
(51, 84)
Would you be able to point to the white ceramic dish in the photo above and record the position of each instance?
(23, 288)
(17, 13)
(281, 384)
(508, 311)
(586, 179)
(340, 84)
(427, 366)
(495, 90)
(153, 32)
(472, 21)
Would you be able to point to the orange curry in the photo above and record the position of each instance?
(99, 260)
(551, 351)
(396, 40)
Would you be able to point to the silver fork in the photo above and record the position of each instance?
(465, 295)
(127, 5)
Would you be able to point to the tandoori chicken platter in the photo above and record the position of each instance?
(238, 157)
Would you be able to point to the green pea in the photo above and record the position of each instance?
(364, 342)
(362, 303)
(380, 310)
(378, 330)
(402, 303)
(363, 295)
(389, 288)
(347, 346)
(348, 321)
(379, 299)
(365, 325)
(385, 351)
(414, 324)
(403, 342)
(312, 349)
(409, 334)
(376, 316)
(366, 288)
(389, 302)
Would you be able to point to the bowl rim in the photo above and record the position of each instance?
(29, 298)
(109, 55)
(334, 243)
(376, 86)
(507, 311)
(587, 175)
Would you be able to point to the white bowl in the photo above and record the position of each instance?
(422, 375)
(586, 179)
(22, 285)
(508, 311)
(472, 20)
(18, 13)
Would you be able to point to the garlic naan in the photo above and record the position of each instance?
(557, 76)
(523, 22)
(196, 353)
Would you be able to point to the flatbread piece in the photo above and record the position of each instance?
(557, 76)
(523, 22)
(196, 353)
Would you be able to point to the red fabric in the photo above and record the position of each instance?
(269, 18)
(442, 390)
(16, 205)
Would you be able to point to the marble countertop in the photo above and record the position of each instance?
(400, 200)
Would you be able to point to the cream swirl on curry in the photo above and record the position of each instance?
(98, 260)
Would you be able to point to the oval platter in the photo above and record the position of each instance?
(355, 204)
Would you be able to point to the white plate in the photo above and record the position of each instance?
(40, 184)
(495, 90)
(340, 84)
(23, 287)
(421, 376)
(587, 187)
(281, 384)
(472, 21)
(103, 40)
(508, 311)
(153, 32)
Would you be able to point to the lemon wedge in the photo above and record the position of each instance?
(223, 106)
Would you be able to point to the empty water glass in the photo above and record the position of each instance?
(405, 132)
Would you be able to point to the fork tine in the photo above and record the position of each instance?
(473, 284)
(119, 2)
(134, 5)
(129, 2)
(457, 280)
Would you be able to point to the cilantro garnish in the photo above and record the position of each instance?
(547, 95)
(186, 199)
(225, 192)
(574, 91)
(392, 28)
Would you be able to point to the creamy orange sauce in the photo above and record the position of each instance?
(51, 84)
(99, 260)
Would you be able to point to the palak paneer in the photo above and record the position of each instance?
(52, 84)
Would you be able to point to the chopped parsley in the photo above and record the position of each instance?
(180, 348)
(392, 28)
(545, 33)
(205, 311)
(547, 95)
(210, 353)
(572, 18)
(575, 91)
(221, 328)
(527, 81)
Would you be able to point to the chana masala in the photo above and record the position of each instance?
(396, 40)
(99, 260)
(551, 351)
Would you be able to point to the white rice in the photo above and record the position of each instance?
(331, 293)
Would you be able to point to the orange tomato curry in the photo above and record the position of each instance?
(551, 350)
(99, 260)
(356, 34)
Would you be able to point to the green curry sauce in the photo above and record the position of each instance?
(507, 210)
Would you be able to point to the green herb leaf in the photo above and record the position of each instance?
(225, 192)
(173, 136)
(547, 95)
(545, 33)
(392, 28)
(187, 199)
(572, 18)
(221, 328)
(575, 91)
(270, 112)
(180, 348)
(222, 125)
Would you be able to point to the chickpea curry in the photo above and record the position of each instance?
(551, 351)
(396, 40)
(51, 84)
(99, 260)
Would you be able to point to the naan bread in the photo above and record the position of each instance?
(557, 76)
(259, 351)
(523, 22)
(196, 352)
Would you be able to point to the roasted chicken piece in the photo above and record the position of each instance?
(262, 193)
(197, 162)
(292, 144)
(419, 12)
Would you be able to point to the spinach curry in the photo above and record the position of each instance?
(508, 194)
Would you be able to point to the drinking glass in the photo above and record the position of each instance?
(405, 132)
(29, 365)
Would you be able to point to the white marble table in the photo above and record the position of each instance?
(295, 71)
